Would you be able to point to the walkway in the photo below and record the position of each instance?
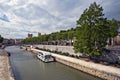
(5, 72)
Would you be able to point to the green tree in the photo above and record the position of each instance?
(1, 38)
(92, 31)
(114, 25)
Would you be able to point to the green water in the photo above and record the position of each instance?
(27, 67)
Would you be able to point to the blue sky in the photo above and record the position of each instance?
(20, 17)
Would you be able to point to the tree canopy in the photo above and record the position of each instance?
(1, 38)
(56, 36)
(93, 31)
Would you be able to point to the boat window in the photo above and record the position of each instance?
(47, 56)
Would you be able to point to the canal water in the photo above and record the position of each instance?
(26, 66)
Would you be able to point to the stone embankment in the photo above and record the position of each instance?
(5, 68)
(99, 70)
(68, 49)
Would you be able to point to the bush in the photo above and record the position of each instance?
(59, 52)
(55, 51)
(72, 55)
(65, 53)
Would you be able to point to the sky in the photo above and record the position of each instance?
(20, 17)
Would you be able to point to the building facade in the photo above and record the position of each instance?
(30, 35)
(117, 40)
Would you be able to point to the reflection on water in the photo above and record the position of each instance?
(27, 67)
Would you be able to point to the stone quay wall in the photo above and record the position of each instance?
(68, 49)
(94, 72)
(5, 67)
(98, 70)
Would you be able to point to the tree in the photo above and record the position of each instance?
(1, 38)
(92, 31)
(114, 25)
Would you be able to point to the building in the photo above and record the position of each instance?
(30, 35)
(39, 34)
(8, 41)
(117, 40)
(18, 41)
(5, 41)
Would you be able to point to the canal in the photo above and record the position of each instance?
(26, 66)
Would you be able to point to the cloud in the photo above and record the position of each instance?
(33, 12)
(4, 1)
(46, 16)
(4, 18)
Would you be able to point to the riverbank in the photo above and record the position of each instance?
(99, 70)
(5, 67)
(67, 49)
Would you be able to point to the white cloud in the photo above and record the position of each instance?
(46, 16)
(4, 1)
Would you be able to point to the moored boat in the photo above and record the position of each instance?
(46, 57)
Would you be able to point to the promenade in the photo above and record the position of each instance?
(5, 70)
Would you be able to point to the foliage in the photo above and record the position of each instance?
(114, 25)
(54, 51)
(1, 38)
(93, 31)
(56, 36)
(91, 34)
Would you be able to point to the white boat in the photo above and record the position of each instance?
(45, 57)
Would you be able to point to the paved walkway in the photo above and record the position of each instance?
(100, 67)
(5, 72)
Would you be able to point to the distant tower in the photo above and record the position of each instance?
(39, 34)
(30, 35)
